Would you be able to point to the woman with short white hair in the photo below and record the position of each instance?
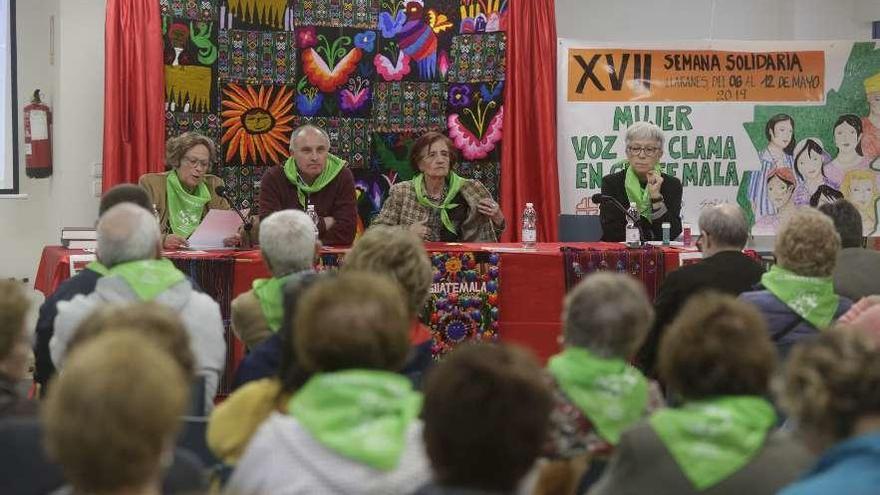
(657, 196)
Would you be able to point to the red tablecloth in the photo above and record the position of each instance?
(532, 283)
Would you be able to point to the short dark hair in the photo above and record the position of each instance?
(717, 345)
(353, 320)
(828, 192)
(847, 221)
(486, 414)
(770, 128)
(424, 142)
(855, 122)
(124, 193)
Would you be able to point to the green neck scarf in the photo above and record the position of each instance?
(455, 183)
(361, 414)
(637, 194)
(270, 293)
(148, 278)
(611, 393)
(812, 298)
(185, 209)
(98, 267)
(714, 438)
(331, 170)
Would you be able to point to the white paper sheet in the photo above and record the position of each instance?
(216, 226)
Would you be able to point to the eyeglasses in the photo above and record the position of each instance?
(196, 162)
(638, 150)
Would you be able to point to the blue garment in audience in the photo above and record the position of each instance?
(851, 467)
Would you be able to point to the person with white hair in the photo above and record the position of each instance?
(313, 176)
(129, 244)
(289, 247)
(656, 195)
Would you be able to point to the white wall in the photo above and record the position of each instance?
(73, 86)
(645, 20)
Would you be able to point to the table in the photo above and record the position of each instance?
(530, 295)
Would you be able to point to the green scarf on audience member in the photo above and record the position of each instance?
(148, 278)
(363, 415)
(712, 439)
(270, 293)
(812, 298)
(98, 267)
(610, 392)
(331, 170)
(185, 209)
(455, 183)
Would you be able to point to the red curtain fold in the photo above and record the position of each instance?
(528, 150)
(134, 91)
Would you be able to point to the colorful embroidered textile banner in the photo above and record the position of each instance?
(374, 73)
(772, 126)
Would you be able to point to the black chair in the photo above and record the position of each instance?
(579, 228)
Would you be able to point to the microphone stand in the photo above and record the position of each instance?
(246, 224)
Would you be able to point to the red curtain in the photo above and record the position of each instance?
(528, 150)
(134, 91)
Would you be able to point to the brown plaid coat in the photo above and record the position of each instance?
(402, 208)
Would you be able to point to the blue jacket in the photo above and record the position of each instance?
(851, 467)
(779, 317)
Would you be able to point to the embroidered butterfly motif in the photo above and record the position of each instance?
(353, 101)
(439, 22)
(392, 71)
(325, 78)
(471, 146)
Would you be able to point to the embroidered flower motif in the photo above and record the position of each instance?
(459, 96)
(366, 41)
(306, 37)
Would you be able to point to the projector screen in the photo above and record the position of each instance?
(8, 99)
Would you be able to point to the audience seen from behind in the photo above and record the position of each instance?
(353, 427)
(597, 393)
(437, 204)
(401, 256)
(81, 283)
(857, 272)
(128, 247)
(797, 296)
(289, 246)
(716, 360)
(724, 232)
(183, 195)
(112, 416)
(830, 387)
(14, 351)
(486, 416)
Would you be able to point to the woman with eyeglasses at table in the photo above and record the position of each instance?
(437, 204)
(656, 195)
(183, 195)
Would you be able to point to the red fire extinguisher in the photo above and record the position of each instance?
(37, 138)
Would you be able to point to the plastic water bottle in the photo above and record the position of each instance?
(633, 236)
(529, 227)
(310, 211)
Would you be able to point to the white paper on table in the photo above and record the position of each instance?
(216, 226)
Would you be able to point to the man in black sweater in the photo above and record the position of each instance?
(724, 268)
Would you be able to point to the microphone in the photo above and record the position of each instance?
(246, 224)
(604, 198)
(646, 233)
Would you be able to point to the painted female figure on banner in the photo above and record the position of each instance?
(780, 188)
(860, 188)
(848, 139)
(780, 136)
(809, 165)
(871, 123)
